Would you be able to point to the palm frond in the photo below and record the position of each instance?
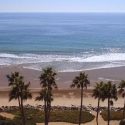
(18, 88)
(80, 81)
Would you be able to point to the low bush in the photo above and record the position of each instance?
(34, 116)
(114, 115)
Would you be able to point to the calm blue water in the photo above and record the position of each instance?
(68, 42)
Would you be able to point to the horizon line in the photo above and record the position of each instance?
(56, 12)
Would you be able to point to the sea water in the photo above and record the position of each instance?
(65, 41)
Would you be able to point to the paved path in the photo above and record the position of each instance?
(7, 115)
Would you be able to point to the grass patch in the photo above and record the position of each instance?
(114, 115)
(34, 116)
(70, 116)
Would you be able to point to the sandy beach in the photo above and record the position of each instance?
(64, 98)
(64, 95)
(61, 98)
(63, 79)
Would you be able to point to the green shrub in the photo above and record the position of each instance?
(34, 116)
(70, 116)
(114, 115)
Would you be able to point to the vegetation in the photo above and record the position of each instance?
(114, 115)
(80, 82)
(19, 91)
(47, 82)
(110, 93)
(98, 93)
(122, 92)
(34, 116)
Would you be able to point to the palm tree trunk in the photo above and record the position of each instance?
(108, 111)
(80, 113)
(20, 108)
(19, 103)
(47, 114)
(23, 116)
(49, 108)
(45, 111)
(124, 109)
(97, 111)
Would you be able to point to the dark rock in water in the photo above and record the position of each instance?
(122, 122)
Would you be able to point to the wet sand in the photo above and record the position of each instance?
(64, 79)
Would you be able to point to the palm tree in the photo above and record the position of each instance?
(98, 93)
(80, 82)
(19, 91)
(110, 92)
(122, 92)
(48, 83)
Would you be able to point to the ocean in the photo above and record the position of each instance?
(66, 41)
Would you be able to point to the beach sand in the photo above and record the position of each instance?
(64, 79)
(64, 95)
(61, 98)
(64, 98)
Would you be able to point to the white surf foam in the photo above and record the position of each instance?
(92, 61)
(109, 57)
